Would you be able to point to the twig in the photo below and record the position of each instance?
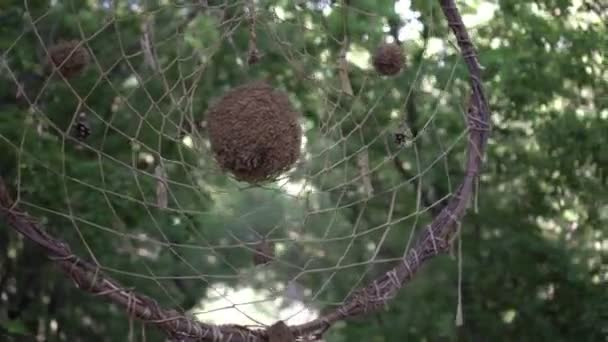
(363, 165)
(342, 62)
(90, 278)
(147, 43)
(253, 55)
(161, 186)
(343, 70)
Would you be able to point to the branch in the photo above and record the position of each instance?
(90, 278)
(253, 54)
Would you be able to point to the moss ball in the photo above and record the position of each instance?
(254, 132)
(264, 253)
(68, 57)
(388, 59)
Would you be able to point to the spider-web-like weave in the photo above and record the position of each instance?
(144, 183)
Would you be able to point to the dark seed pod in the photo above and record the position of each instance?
(388, 59)
(264, 253)
(82, 129)
(403, 136)
(254, 132)
(253, 56)
(68, 57)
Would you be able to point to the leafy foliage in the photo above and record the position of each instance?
(534, 253)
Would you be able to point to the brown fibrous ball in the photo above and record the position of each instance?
(254, 132)
(264, 253)
(69, 58)
(388, 59)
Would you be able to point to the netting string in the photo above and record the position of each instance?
(435, 239)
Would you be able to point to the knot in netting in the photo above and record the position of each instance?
(254, 132)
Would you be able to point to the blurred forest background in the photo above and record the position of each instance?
(534, 250)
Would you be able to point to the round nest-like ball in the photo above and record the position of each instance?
(264, 252)
(68, 57)
(388, 59)
(254, 132)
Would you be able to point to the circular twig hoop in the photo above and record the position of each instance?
(433, 240)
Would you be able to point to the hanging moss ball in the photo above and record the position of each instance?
(388, 59)
(264, 253)
(254, 132)
(69, 58)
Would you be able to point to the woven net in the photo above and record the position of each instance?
(109, 167)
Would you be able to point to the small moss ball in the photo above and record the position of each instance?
(68, 57)
(388, 59)
(254, 132)
(264, 253)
